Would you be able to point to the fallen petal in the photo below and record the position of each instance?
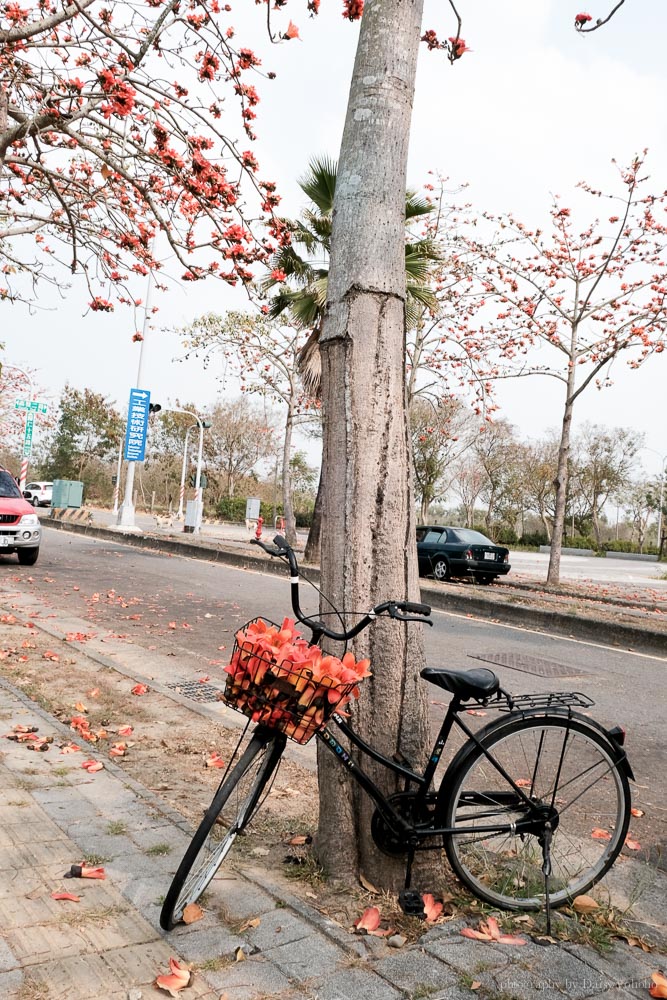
(658, 987)
(369, 919)
(599, 834)
(66, 895)
(585, 904)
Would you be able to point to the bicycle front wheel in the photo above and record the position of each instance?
(568, 769)
(230, 812)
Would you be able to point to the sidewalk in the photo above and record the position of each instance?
(109, 945)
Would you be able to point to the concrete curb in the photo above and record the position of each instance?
(581, 625)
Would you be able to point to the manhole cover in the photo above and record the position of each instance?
(529, 664)
(195, 690)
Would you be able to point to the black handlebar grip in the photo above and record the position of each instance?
(416, 609)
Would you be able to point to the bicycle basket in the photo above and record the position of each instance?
(281, 681)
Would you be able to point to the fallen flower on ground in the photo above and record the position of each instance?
(82, 870)
(658, 987)
(178, 979)
(489, 930)
(92, 765)
(140, 689)
(66, 895)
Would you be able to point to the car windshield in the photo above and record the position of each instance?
(469, 537)
(8, 487)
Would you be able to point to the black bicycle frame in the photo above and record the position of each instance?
(409, 832)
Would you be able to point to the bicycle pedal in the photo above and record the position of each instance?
(412, 904)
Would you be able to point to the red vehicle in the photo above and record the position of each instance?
(20, 530)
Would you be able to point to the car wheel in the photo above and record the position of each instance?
(34, 501)
(441, 570)
(28, 557)
(484, 578)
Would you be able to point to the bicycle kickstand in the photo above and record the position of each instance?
(546, 871)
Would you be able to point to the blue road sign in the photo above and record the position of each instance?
(137, 425)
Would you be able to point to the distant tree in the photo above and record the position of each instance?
(241, 436)
(493, 452)
(603, 466)
(89, 429)
(263, 354)
(640, 501)
(539, 463)
(441, 433)
(584, 298)
(467, 484)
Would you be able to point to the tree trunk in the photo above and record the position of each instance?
(288, 511)
(311, 553)
(368, 541)
(546, 523)
(560, 482)
(595, 518)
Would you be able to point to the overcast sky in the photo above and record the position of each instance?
(529, 111)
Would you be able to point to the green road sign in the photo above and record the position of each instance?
(35, 405)
(27, 440)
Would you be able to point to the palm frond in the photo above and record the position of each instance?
(319, 184)
(416, 206)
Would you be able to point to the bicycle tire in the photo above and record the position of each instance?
(213, 840)
(567, 763)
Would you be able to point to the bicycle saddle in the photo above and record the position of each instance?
(479, 683)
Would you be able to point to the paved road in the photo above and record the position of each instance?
(191, 609)
(529, 565)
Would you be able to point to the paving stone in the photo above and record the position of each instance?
(199, 943)
(464, 954)
(144, 893)
(309, 959)
(26, 856)
(7, 958)
(239, 899)
(32, 948)
(353, 984)
(412, 967)
(36, 829)
(11, 984)
(622, 965)
(278, 927)
(120, 929)
(557, 973)
(250, 979)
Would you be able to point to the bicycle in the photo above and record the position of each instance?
(532, 810)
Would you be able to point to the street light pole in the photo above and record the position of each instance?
(198, 498)
(28, 416)
(181, 495)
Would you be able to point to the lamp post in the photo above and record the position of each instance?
(181, 494)
(28, 416)
(663, 472)
(202, 424)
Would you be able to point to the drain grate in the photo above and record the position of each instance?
(196, 690)
(529, 664)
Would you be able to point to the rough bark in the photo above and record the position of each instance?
(288, 509)
(311, 554)
(368, 539)
(560, 482)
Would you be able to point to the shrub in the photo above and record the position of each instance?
(623, 545)
(534, 538)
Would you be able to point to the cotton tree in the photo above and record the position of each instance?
(262, 354)
(112, 130)
(603, 462)
(568, 303)
(440, 434)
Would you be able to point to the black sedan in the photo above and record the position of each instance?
(447, 552)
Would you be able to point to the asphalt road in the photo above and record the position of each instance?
(192, 608)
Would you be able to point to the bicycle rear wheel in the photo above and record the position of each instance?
(232, 808)
(568, 768)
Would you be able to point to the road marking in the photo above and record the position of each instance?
(549, 635)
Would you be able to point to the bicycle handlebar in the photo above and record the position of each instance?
(404, 611)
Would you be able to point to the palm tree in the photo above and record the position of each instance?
(300, 271)
(305, 265)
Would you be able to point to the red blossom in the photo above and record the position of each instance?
(581, 19)
(101, 305)
(353, 9)
(292, 31)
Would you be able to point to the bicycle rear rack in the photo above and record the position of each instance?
(552, 699)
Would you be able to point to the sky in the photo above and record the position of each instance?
(531, 110)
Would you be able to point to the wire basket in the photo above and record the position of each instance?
(280, 695)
